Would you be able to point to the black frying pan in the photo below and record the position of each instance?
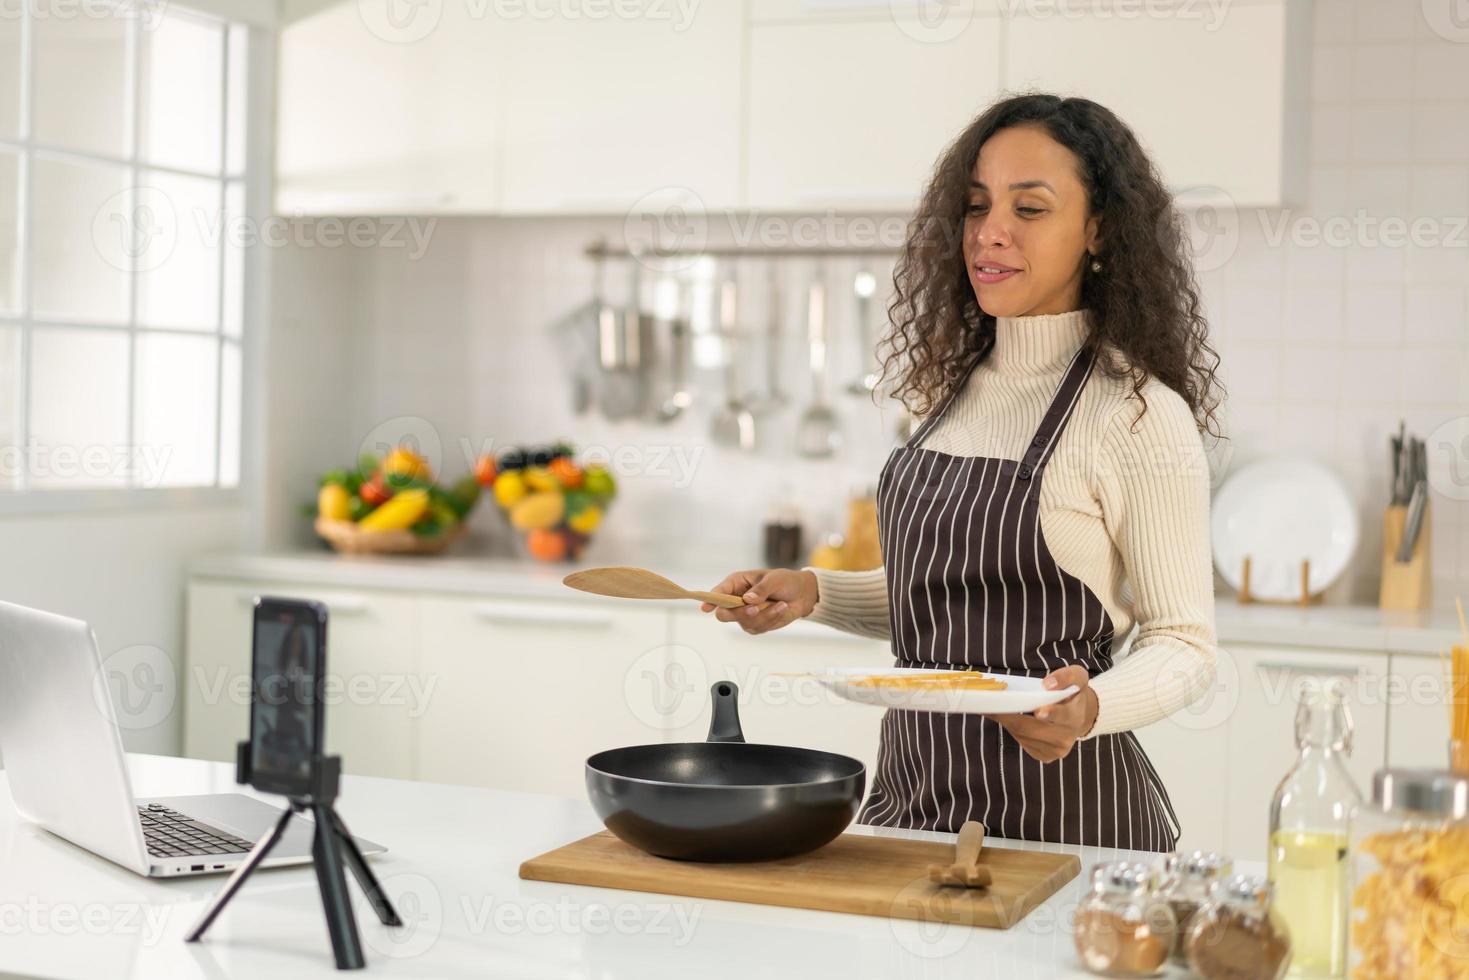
(724, 799)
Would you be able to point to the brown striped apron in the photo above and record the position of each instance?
(972, 584)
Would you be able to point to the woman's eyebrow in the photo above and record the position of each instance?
(1017, 186)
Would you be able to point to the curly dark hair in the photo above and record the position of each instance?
(1145, 302)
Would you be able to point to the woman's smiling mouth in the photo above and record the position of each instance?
(992, 272)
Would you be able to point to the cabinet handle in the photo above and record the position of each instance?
(343, 606)
(494, 612)
(1328, 671)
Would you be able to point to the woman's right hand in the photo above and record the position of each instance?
(791, 594)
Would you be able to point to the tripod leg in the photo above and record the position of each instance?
(238, 876)
(366, 880)
(332, 880)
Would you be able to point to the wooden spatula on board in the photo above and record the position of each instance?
(966, 871)
(626, 582)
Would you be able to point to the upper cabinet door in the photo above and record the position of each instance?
(605, 112)
(386, 107)
(1217, 96)
(852, 113)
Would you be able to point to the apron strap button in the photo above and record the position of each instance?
(1024, 473)
(1039, 441)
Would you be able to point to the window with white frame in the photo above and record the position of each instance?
(122, 171)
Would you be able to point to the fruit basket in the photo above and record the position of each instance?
(554, 503)
(392, 506)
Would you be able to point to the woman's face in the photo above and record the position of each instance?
(1028, 232)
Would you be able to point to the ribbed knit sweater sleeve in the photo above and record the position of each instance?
(854, 602)
(1152, 480)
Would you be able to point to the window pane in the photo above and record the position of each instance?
(234, 240)
(9, 231)
(239, 103)
(231, 411)
(10, 458)
(79, 407)
(181, 65)
(80, 79)
(174, 392)
(83, 240)
(9, 74)
(179, 229)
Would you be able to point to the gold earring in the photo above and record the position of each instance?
(1096, 265)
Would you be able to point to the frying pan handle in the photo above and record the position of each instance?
(724, 726)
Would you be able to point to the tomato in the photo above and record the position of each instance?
(375, 492)
(484, 470)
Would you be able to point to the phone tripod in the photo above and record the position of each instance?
(331, 848)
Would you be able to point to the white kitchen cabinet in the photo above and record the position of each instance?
(1189, 750)
(526, 690)
(1262, 731)
(1217, 96)
(775, 708)
(1417, 716)
(852, 114)
(605, 113)
(389, 108)
(373, 690)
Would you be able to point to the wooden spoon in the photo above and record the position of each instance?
(625, 582)
(966, 871)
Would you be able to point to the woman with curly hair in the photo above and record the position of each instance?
(1054, 498)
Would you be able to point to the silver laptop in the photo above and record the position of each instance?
(64, 760)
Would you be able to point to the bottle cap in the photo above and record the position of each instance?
(1124, 878)
(1429, 791)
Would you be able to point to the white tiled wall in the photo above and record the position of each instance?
(1325, 346)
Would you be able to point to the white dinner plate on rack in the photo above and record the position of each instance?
(1279, 511)
(1021, 694)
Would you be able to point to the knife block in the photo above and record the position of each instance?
(1406, 585)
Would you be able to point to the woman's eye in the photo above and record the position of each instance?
(976, 209)
(1030, 212)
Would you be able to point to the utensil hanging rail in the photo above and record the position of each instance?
(601, 250)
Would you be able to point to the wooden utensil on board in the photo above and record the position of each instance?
(966, 871)
(626, 582)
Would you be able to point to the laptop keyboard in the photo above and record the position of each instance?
(169, 833)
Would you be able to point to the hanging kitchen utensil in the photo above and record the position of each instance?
(724, 799)
(818, 434)
(624, 336)
(774, 399)
(733, 424)
(865, 285)
(627, 582)
(678, 397)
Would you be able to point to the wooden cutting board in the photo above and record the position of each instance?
(884, 876)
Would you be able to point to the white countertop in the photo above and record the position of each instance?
(1364, 628)
(451, 869)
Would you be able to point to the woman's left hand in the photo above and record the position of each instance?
(1049, 733)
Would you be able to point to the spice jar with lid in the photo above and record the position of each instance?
(1187, 881)
(1237, 934)
(1410, 872)
(1124, 928)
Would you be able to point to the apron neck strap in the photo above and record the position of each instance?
(933, 419)
(1068, 392)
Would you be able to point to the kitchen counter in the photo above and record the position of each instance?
(1365, 628)
(451, 869)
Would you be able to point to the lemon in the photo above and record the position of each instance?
(334, 503)
(509, 488)
(586, 520)
(540, 478)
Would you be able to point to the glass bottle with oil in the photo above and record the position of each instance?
(1310, 828)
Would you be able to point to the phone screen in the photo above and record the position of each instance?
(286, 711)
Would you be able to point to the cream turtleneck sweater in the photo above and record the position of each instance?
(1124, 507)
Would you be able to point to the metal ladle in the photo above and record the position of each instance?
(734, 423)
(818, 434)
(865, 285)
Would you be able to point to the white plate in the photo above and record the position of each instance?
(1022, 693)
(1280, 510)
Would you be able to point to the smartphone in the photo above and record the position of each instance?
(287, 717)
